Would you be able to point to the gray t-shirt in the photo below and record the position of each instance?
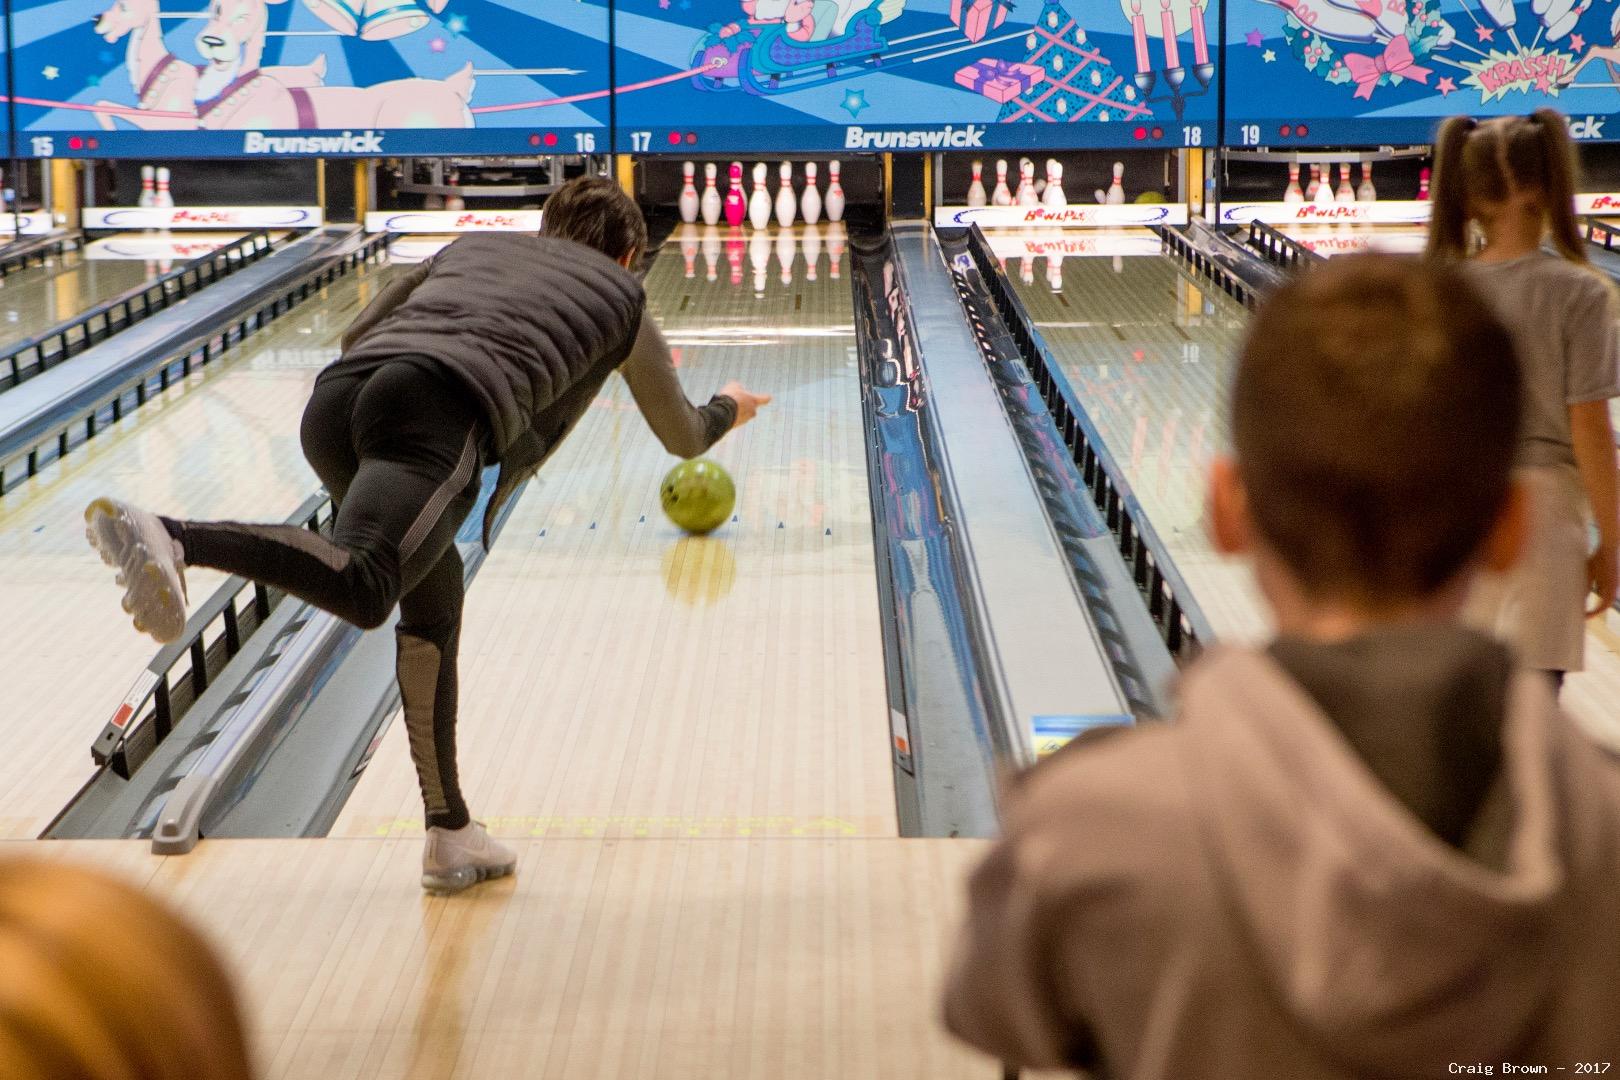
(1563, 320)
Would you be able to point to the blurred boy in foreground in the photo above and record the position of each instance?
(1374, 848)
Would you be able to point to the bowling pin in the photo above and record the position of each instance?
(710, 203)
(835, 194)
(1293, 194)
(976, 193)
(148, 186)
(689, 195)
(1346, 193)
(163, 198)
(759, 203)
(1324, 190)
(812, 250)
(1116, 190)
(1027, 195)
(1002, 196)
(787, 250)
(810, 201)
(736, 204)
(1423, 185)
(759, 255)
(454, 201)
(787, 203)
(690, 245)
(1315, 185)
(711, 251)
(1054, 195)
(1366, 192)
(1026, 270)
(1054, 265)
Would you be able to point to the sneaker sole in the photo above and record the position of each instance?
(149, 597)
(453, 881)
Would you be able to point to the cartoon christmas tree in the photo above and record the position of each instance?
(1080, 82)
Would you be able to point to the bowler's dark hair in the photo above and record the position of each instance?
(594, 211)
(1374, 418)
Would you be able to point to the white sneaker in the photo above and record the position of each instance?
(149, 561)
(454, 859)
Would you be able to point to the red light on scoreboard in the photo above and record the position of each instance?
(1141, 133)
(75, 143)
(549, 139)
(674, 138)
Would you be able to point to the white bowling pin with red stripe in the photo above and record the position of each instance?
(977, 196)
(810, 201)
(689, 194)
(710, 203)
(787, 202)
(835, 192)
(1002, 195)
(163, 199)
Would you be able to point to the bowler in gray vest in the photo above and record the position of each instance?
(490, 352)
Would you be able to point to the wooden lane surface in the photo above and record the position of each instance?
(619, 679)
(224, 444)
(654, 959)
(36, 299)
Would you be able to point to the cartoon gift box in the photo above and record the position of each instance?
(978, 17)
(998, 80)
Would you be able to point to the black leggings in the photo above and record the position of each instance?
(399, 450)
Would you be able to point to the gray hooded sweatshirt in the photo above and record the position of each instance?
(1237, 895)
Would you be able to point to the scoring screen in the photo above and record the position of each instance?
(1373, 72)
(316, 77)
(718, 76)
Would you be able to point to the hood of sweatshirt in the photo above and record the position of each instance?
(1395, 952)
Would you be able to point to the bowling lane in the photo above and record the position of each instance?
(36, 299)
(1151, 354)
(226, 446)
(622, 680)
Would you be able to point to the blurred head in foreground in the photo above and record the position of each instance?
(102, 983)
(1375, 416)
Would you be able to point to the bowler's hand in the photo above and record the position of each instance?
(748, 402)
(1603, 571)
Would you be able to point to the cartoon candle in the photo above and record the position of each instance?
(1172, 58)
(1139, 29)
(1200, 42)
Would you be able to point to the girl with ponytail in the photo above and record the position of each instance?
(1504, 190)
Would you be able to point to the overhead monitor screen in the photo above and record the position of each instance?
(1377, 72)
(718, 76)
(136, 78)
